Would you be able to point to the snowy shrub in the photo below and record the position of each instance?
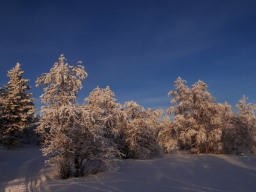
(17, 108)
(141, 131)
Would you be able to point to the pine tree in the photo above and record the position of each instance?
(17, 107)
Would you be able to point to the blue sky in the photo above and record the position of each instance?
(138, 48)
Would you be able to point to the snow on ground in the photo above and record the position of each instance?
(24, 170)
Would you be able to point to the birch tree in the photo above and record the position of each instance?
(197, 118)
(181, 108)
(77, 138)
(59, 123)
(208, 120)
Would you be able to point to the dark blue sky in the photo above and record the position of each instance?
(138, 48)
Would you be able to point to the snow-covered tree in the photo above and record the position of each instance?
(141, 131)
(208, 120)
(168, 135)
(182, 110)
(246, 109)
(241, 130)
(62, 83)
(105, 122)
(247, 116)
(17, 107)
(75, 137)
(182, 98)
(59, 118)
(75, 145)
(105, 111)
(197, 118)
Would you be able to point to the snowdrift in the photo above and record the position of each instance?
(24, 170)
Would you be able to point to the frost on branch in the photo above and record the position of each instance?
(17, 108)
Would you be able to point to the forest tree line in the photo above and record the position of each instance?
(86, 138)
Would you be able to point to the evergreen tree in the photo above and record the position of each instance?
(17, 107)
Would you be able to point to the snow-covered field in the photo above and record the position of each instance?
(24, 170)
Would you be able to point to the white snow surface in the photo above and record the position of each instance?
(23, 170)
